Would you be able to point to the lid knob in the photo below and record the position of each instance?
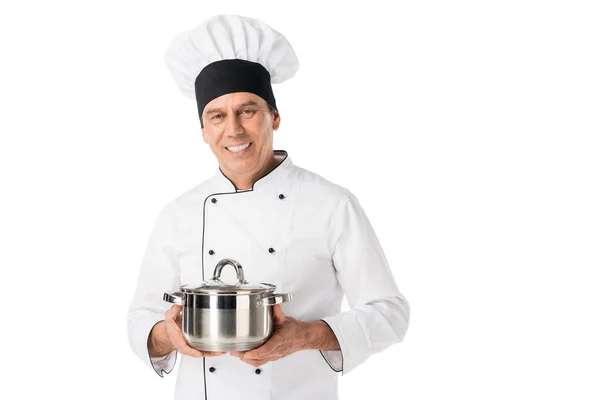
(228, 261)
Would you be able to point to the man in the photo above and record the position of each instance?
(286, 225)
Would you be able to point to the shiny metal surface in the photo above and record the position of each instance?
(275, 298)
(216, 286)
(221, 317)
(242, 328)
(175, 298)
(228, 261)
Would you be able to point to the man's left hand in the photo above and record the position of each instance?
(289, 336)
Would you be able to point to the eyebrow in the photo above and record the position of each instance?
(248, 103)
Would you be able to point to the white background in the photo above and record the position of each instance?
(468, 131)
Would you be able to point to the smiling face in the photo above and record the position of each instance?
(239, 127)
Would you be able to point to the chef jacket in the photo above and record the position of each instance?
(296, 230)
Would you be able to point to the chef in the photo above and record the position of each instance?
(284, 224)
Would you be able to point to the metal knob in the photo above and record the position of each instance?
(228, 261)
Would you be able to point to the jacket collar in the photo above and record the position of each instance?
(280, 175)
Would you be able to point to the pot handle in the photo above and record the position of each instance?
(175, 298)
(228, 261)
(275, 298)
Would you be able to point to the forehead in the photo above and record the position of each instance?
(233, 100)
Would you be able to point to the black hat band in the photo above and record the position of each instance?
(230, 76)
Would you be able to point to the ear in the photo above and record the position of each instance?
(276, 120)
(204, 136)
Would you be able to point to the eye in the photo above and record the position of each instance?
(248, 112)
(217, 116)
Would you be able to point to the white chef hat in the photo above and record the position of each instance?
(230, 53)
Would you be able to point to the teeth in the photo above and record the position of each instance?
(237, 149)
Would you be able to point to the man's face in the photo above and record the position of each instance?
(236, 119)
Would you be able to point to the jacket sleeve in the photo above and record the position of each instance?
(379, 313)
(159, 273)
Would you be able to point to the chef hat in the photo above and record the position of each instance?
(230, 53)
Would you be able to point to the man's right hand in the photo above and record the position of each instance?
(167, 336)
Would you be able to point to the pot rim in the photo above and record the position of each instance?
(227, 292)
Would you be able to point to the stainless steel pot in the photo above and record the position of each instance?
(222, 317)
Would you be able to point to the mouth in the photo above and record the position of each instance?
(239, 149)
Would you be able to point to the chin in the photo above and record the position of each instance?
(241, 166)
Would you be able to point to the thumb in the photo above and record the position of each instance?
(174, 311)
(278, 314)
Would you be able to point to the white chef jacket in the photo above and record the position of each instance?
(296, 230)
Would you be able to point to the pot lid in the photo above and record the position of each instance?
(217, 286)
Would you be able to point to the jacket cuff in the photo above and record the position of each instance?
(334, 358)
(139, 333)
(164, 363)
(351, 336)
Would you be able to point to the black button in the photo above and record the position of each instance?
(257, 371)
(281, 196)
(213, 200)
(211, 252)
(212, 369)
(271, 250)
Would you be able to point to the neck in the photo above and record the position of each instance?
(245, 181)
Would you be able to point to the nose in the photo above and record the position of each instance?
(234, 126)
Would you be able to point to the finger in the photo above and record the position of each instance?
(173, 312)
(173, 326)
(255, 363)
(254, 354)
(177, 339)
(249, 356)
(279, 316)
(189, 351)
(262, 351)
(257, 354)
(186, 349)
(213, 353)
